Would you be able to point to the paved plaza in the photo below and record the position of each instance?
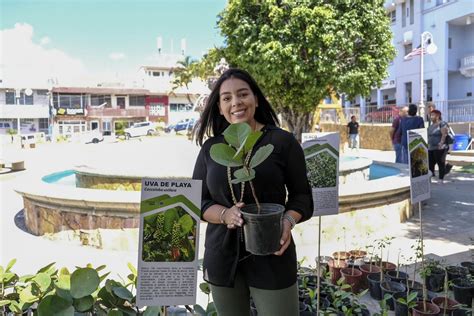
(448, 215)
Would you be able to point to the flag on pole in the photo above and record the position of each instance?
(415, 52)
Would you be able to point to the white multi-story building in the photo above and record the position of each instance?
(25, 110)
(448, 73)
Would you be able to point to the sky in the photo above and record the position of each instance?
(99, 40)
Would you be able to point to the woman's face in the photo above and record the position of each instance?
(434, 117)
(237, 102)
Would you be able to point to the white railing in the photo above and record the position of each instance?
(467, 66)
(457, 110)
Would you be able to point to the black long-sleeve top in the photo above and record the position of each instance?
(283, 171)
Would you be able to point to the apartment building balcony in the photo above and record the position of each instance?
(11, 111)
(117, 112)
(467, 66)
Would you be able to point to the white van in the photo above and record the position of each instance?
(140, 129)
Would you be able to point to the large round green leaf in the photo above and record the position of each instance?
(224, 155)
(43, 280)
(260, 155)
(29, 294)
(123, 293)
(84, 282)
(236, 134)
(84, 304)
(64, 282)
(55, 305)
(114, 312)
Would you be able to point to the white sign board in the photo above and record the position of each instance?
(168, 242)
(321, 152)
(418, 161)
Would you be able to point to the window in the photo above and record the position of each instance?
(97, 100)
(137, 100)
(10, 97)
(404, 16)
(428, 90)
(412, 8)
(26, 99)
(69, 101)
(450, 42)
(43, 124)
(156, 73)
(408, 49)
(392, 15)
(469, 94)
(408, 95)
(42, 92)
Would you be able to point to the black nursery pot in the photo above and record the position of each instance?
(390, 287)
(262, 231)
(435, 281)
(469, 265)
(392, 275)
(463, 291)
(400, 309)
(456, 272)
(374, 286)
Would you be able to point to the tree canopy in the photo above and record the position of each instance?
(300, 51)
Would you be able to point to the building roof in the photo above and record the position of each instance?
(93, 90)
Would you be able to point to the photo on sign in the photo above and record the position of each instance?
(169, 236)
(321, 166)
(418, 158)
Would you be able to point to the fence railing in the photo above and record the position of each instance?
(452, 111)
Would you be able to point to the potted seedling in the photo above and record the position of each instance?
(463, 289)
(404, 302)
(434, 276)
(262, 227)
(368, 268)
(446, 305)
(397, 275)
(424, 307)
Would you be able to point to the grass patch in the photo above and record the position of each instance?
(467, 169)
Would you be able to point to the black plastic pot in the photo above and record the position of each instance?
(262, 231)
(400, 309)
(390, 287)
(392, 275)
(374, 286)
(463, 291)
(456, 272)
(435, 281)
(469, 265)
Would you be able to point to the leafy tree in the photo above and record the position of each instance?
(301, 51)
(184, 73)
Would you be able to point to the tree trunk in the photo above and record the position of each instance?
(297, 122)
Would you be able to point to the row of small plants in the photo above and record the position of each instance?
(391, 285)
(86, 291)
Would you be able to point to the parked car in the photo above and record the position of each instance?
(385, 114)
(140, 129)
(183, 125)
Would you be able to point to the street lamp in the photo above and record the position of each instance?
(431, 48)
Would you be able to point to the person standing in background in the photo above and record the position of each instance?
(353, 131)
(395, 136)
(412, 121)
(437, 147)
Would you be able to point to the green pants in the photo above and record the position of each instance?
(236, 301)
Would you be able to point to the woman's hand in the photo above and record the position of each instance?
(233, 217)
(285, 237)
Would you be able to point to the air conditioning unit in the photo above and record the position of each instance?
(407, 37)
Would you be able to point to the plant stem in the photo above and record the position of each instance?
(255, 196)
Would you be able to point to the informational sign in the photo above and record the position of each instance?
(168, 242)
(67, 111)
(418, 161)
(321, 152)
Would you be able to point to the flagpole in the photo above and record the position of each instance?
(422, 106)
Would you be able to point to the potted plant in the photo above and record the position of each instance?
(397, 275)
(404, 302)
(434, 276)
(353, 277)
(262, 221)
(391, 287)
(446, 305)
(456, 272)
(463, 289)
(424, 307)
(368, 268)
